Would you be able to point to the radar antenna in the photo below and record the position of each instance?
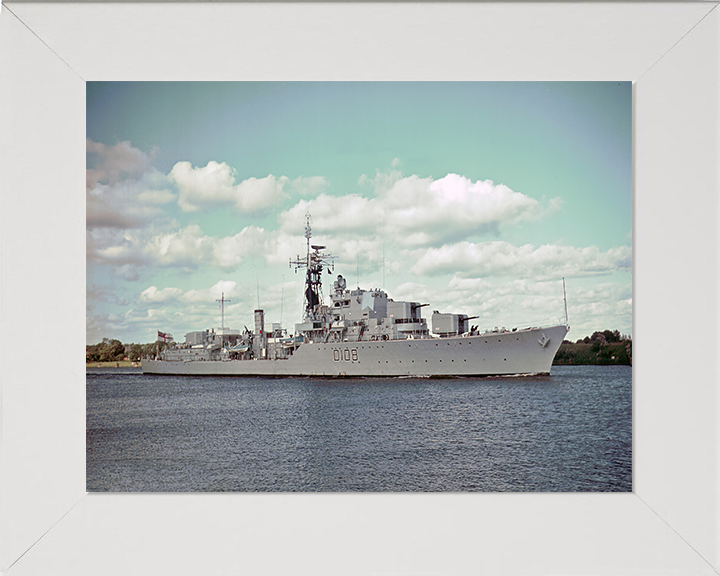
(314, 262)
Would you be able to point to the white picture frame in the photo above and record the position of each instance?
(669, 524)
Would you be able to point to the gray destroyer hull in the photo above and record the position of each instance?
(529, 351)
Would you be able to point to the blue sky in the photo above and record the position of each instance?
(475, 197)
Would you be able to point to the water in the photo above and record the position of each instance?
(568, 432)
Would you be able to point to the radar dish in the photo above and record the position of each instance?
(317, 247)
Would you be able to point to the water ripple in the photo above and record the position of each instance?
(568, 432)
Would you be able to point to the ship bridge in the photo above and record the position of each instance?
(370, 314)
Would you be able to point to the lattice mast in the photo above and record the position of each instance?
(222, 308)
(314, 263)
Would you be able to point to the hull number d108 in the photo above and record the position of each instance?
(345, 354)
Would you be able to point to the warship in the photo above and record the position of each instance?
(361, 333)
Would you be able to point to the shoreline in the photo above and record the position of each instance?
(118, 364)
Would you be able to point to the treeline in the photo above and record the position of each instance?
(110, 350)
(606, 347)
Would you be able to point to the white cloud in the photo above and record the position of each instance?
(604, 306)
(123, 190)
(437, 224)
(228, 288)
(340, 215)
(187, 248)
(129, 203)
(152, 294)
(214, 186)
(257, 194)
(416, 211)
(112, 246)
(156, 197)
(499, 258)
(429, 213)
(229, 252)
(110, 164)
(310, 186)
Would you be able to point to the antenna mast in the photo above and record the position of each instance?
(565, 299)
(314, 262)
(222, 307)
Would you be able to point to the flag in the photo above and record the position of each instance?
(162, 337)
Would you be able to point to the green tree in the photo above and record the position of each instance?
(136, 352)
(150, 350)
(92, 352)
(111, 350)
(611, 336)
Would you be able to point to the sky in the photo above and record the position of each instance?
(473, 197)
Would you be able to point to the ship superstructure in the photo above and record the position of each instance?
(360, 333)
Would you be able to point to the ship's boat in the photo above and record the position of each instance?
(361, 333)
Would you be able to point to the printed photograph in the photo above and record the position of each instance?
(359, 286)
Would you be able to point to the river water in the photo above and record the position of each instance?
(568, 432)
